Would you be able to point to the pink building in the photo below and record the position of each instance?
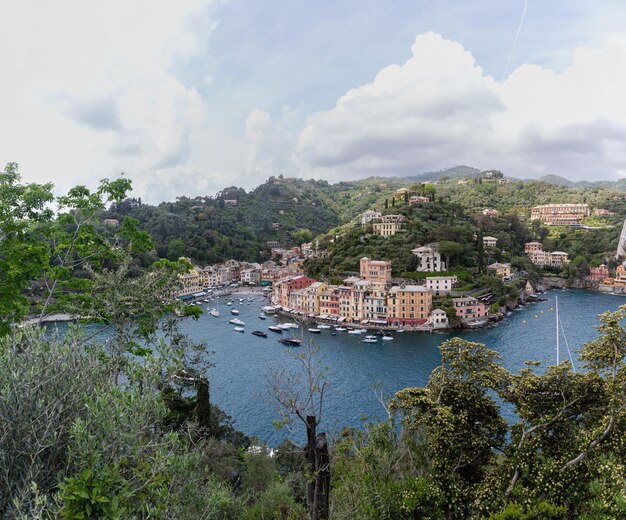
(598, 274)
(470, 308)
(417, 199)
(375, 270)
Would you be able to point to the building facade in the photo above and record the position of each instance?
(560, 214)
(409, 305)
(429, 259)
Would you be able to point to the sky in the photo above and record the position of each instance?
(192, 96)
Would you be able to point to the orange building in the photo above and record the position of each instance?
(409, 305)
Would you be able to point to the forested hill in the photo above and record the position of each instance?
(235, 223)
(238, 224)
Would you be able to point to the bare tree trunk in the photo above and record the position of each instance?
(318, 461)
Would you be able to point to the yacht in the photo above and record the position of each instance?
(370, 339)
(259, 333)
(340, 329)
(356, 331)
(315, 331)
(292, 342)
(386, 337)
(234, 311)
(236, 321)
(323, 326)
(275, 329)
(239, 329)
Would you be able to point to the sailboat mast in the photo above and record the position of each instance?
(557, 330)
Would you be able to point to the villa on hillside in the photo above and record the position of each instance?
(429, 259)
(490, 241)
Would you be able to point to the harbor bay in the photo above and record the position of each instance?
(243, 362)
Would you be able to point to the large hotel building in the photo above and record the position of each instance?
(560, 214)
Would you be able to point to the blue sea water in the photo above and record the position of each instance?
(242, 362)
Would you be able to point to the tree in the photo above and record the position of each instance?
(300, 395)
(175, 249)
(450, 250)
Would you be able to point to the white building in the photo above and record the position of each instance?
(369, 215)
(438, 319)
(490, 241)
(429, 259)
(441, 284)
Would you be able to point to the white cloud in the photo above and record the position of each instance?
(88, 92)
(439, 109)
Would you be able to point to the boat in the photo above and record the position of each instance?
(314, 331)
(387, 338)
(333, 333)
(340, 329)
(259, 333)
(206, 300)
(236, 321)
(323, 326)
(275, 329)
(292, 342)
(234, 311)
(290, 325)
(356, 331)
(370, 339)
(214, 312)
(283, 326)
(400, 330)
(262, 317)
(239, 329)
(229, 303)
(270, 309)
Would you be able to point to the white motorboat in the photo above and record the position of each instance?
(387, 338)
(315, 331)
(236, 321)
(340, 329)
(234, 311)
(284, 326)
(370, 339)
(356, 331)
(229, 303)
(239, 329)
(323, 326)
(291, 325)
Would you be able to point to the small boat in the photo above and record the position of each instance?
(323, 326)
(259, 333)
(214, 312)
(340, 329)
(275, 329)
(262, 317)
(387, 338)
(292, 342)
(400, 330)
(236, 321)
(206, 300)
(234, 311)
(333, 333)
(290, 325)
(315, 331)
(229, 303)
(370, 339)
(239, 329)
(356, 331)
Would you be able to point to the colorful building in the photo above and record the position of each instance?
(409, 305)
(375, 270)
(469, 308)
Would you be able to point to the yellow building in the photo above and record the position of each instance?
(386, 229)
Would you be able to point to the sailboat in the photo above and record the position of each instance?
(215, 311)
(560, 329)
